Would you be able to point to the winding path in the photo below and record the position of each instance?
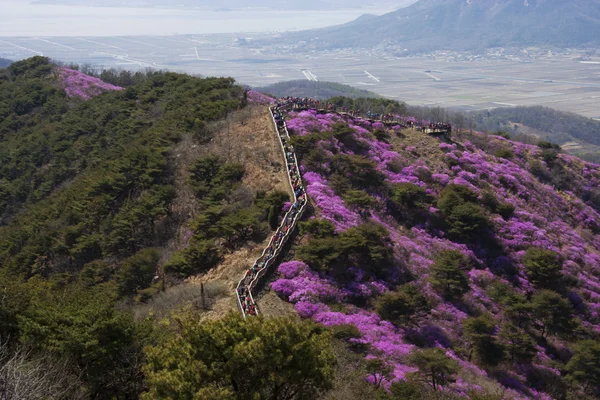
(266, 262)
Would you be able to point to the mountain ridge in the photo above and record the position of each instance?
(469, 25)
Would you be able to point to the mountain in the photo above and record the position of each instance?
(316, 90)
(4, 62)
(469, 25)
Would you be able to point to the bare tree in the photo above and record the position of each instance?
(24, 375)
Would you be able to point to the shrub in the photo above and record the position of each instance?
(553, 313)
(317, 228)
(543, 267)
(448, 273)
(241, 225)
(382, 135)
(402, 305)
(544, 144)
(506, 210)
(304, 144)
(479, 332)
(221, 360)
(348, 137)
(361, 172)
(489, 200)
(408, 196)
(273, 217)
(346, 331)
(137, 271)
(505, 153)
(201, 256)
(146, 294)
(367, 246)
(584, 366)
(95, 273)
(540, 171)
(454, 195)
(519, 346)
(211, 176)
(549, 156)
(358, 200)
(467, 220)
(435, 366)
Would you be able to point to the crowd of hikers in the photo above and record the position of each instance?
(303, 103)
(436, 127)
(246, 301)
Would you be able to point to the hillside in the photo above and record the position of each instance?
(478, 248)
(468, 25)
(428, 268)
(582, 135)
(315, 90)
(99, 189)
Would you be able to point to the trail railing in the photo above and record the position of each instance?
(266, 262)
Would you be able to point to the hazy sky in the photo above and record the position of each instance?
(18, 18)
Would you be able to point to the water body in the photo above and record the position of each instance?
(22, 19)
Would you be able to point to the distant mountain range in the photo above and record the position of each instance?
(468, 25)
(226, 5)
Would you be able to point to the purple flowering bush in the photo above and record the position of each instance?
(332, 207)
(78, 84)
(541, 214)
(259, 98)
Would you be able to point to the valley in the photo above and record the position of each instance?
(567, 80)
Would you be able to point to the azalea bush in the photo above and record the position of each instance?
(78, 84)
(493, 256)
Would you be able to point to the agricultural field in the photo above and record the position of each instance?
(558, 80)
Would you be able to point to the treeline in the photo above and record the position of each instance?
(116, 76)
(560, 126)
(547, 125)
(374, 105)
(315, 90)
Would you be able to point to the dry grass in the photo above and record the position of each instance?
(246, 136)
(272, 305)
(428, 147)
(181, 296)
(350, 373)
